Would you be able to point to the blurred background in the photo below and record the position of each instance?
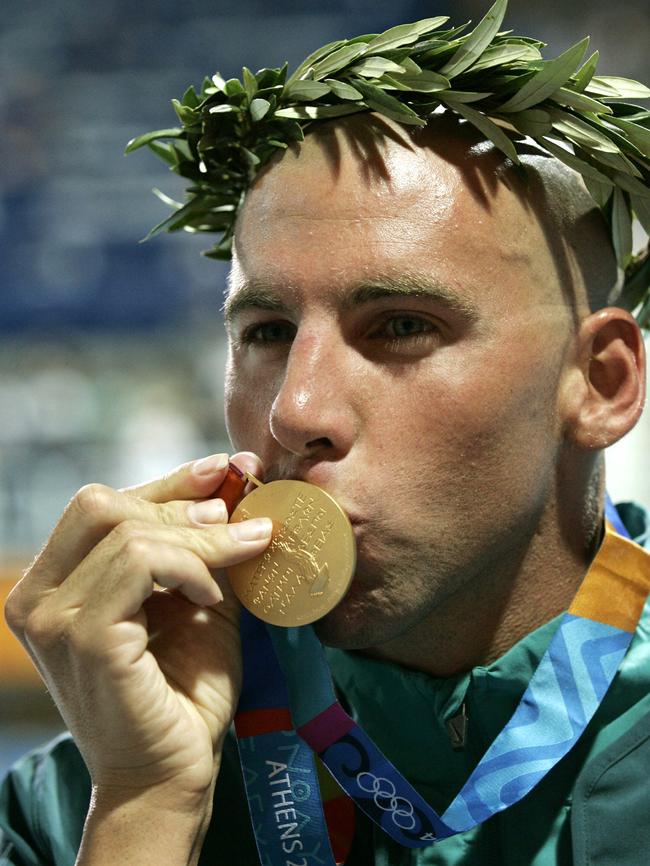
(111, 352)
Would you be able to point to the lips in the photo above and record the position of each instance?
(308, 477)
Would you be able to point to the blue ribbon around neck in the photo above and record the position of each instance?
(287, 668)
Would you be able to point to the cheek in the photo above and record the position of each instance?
(245, 408)
(507, 443)
(479, 434)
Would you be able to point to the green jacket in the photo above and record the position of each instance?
(593, 808)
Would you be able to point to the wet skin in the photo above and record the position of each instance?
(399, 335)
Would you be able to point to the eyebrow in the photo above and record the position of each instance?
(251, 296)
(261, 296)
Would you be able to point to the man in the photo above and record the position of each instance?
(423, 331)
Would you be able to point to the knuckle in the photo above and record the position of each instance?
(93, 501)
(49, 633)
(127, 530)
(40, 629)
(21, 599)
(130, 542)
(14, 611)
(137, 548)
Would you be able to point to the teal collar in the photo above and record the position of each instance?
(402, 709)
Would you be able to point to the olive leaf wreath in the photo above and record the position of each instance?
(494, 80)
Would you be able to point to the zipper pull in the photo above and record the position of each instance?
(457, 728)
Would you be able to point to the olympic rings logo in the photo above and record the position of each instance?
(385, 798)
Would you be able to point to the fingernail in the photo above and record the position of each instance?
(210, 465)
(251, 530)
(210, 511)
(216, 594)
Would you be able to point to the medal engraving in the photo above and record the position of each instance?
(308, 566)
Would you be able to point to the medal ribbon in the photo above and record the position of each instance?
(290, 670)
(278, 766)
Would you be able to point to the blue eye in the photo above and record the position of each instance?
(269, 332)
(402, 327)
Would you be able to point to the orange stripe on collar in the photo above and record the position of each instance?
(616, 586)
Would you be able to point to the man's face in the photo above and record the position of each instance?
(397, 337)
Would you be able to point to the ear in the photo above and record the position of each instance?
(604, 389)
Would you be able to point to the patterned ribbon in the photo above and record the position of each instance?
(278, 766)
(287, 668)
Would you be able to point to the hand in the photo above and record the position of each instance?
(147, 680)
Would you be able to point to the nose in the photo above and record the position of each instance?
(313, 413)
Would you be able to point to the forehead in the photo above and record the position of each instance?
(354, 204)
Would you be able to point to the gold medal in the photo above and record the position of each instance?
(308, 567)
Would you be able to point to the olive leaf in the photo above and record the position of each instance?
(579, 102)
(342, 89)
(632, 185)
(259, 108)
(617, 136)
(600, 192)
(337, 60)
(374, 67)
(617, 161)
(376, 99)
(250, 83)
(425, 82)
(222, 250)
(453, 96)
(234, 87)
(506, 54)
(613, 87)
(631, 112)
(165, 152)
(522, 40)
(165, 199)
(177, 220)
(641, 207)
(489, 129)
(314, 57)
(318, 112)
(637, 134)
(218, 81)
(581, 133)
(643, 316)
(532, 121)
(190, 98)
(307, 90)
(635, 289)
(621, 228)
(586, 169)
(225, 108)
(553, 75)
(586, 72)
(404, 34)
(477, 41)
(271, 78)
(410, 66)
(365, 38)
(141, 140)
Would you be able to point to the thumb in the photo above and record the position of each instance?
(197, 479)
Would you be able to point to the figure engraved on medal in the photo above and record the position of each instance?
(308, 566)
